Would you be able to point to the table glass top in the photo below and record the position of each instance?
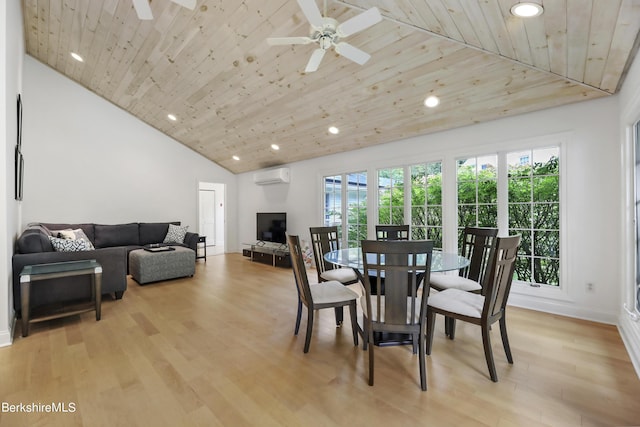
(440, 261)
(59, 267)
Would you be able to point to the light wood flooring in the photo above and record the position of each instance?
(219, 349)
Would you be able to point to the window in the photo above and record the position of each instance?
(391, 196)
(477, 179)
(352, 189)
(426, 202)
(534, 212)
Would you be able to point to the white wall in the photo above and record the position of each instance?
(11, 59)
(87, 160)
(591, 205)
(629, 321)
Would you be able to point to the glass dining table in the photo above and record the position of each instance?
(440, 261)
(352, 257)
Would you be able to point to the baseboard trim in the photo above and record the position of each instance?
(6, 337)
(557, 307)
(630, 333)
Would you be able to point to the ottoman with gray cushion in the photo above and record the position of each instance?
(147, 267)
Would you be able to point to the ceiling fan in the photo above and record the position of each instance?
(327, 33)
(143, 9)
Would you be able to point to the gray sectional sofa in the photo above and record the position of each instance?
(112, 245)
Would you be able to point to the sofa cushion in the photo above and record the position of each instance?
(34, 240)
(116, 235)
(175, 234)
(69, 245)
(154, 232)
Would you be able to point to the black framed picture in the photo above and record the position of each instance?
(19, 159)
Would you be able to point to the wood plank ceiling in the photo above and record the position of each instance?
(235, 95)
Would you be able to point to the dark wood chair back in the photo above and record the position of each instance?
(499, 276)
(392, 232)
(476, 246)
(299, 270)
(323, 240)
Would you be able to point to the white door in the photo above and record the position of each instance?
(208, 216)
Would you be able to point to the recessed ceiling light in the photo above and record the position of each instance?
(172, 117)
(235, 157)
(275, 147)
(526, 10)
(432, 101)
(77, 57)
(334, 130)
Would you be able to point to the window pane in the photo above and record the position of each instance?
(487, 192)
(546, 216)
(545, 189)
(418, 216)
(487, 216)
(435, 234)
(434, 216)
(467, 192)
(520, 190)
(519, 216)
(547, 270)
(523, 269)
(466, 216)
(418, 233)
(546, 243)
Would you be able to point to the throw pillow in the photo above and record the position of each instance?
(68, 245)
(175, 234)
(76, 234)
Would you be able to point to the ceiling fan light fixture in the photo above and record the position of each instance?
(236, 158)
(334, 130)
(526, 10)
(172, 117)
(77, 57)
(275, 147)
(432, 101)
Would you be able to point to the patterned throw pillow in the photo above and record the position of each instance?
(76, 234)
(175, 234)
(69, 245)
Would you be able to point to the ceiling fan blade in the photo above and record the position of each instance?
(311, 11)
(359, 22)
(353, 53)
(189, 4)
(314, 61)
(277, 41)
(143, 9)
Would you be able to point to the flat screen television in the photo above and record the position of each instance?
(271, 227)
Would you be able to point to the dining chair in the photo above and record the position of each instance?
(329, 294)
(323, 240)
(481, 309)
(392, 232)
(476, 246)
(402, 265)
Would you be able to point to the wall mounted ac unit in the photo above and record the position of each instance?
(273, 176)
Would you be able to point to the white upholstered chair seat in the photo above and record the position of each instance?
(328, 292)
(357, 288)
(380, 318)
(457, 301)
(449, 281)
(343, 275)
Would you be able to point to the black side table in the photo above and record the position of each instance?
(202, 244)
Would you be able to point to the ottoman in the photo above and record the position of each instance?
(147, 267)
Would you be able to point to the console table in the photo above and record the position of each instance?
(37, 272)
(269, 253)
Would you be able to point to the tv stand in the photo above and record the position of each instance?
(275, 254)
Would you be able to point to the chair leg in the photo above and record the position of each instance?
(371, 347)
(307, 340)
(431, 321)
(339, 316)
(488, 353)
(354, 321)
(298, 316)
(421, 359)
(365, 334)
(452, 328)
(505, 338)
